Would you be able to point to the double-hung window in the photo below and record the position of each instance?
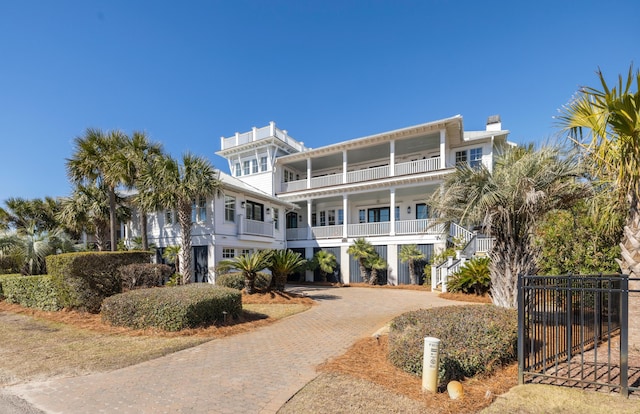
(254, 166)
(475, 157)
(263, 164)
(276, 217)
(199, 210)
(229, 208)
(247, 167)
(254, 211)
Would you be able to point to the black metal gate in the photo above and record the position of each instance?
(573, 330)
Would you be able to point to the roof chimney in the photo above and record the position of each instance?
(494, 123)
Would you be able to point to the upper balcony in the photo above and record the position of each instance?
(364, 174)
(278, 136)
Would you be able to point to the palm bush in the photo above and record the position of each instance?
(284, 263)
(409, 253)
(361, 250)
(473, 277)
(249, 265)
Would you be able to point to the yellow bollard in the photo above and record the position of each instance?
(430, 362)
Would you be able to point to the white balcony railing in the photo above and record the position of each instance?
(326, 232)
(425, 226)
(297, 233)
(369, 229)
(418, 166)
(258, 134)
(293, 185)
(367, 174)
(326, 180)
(256, 228)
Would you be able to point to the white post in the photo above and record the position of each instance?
(434, 277)
(430, 362)
(345, 215)
(272, 129)
(344, 168)
(308, 173)
(392, 158)
(443, 149)
(254, 133)
(392, 197)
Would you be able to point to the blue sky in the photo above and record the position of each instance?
(187, 73)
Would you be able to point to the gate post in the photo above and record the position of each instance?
(624, 335)
(520, 329)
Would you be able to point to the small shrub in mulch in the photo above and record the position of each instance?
(475, 339)
(235, 280)
(172, 308)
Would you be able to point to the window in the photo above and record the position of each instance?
(276, 217)
(475, 157)
(246, 252)
(199, 210)
(397, 215)
(238, 170)
(379, 214)
(362, 218)
(422, 211)
(461, 157)
(254, 166)
(263, 163)
(323, 218)
(228, 253)
(313, 219)
(340, 216)
(169, 218)
(247, 167)
(229, 208)
(254, 211)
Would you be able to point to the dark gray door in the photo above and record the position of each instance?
(200, 263)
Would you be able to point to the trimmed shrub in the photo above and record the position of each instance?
(172, 308)
(474, 339)
(84, 279)
(144, 275)
(235, 280)
(2, 277)
(31, 291)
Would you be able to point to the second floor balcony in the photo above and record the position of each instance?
(401, 227)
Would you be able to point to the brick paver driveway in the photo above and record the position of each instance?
(255, 372)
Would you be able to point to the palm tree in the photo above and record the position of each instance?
(326, 262)
(361, 250)
(87, 210)
(167, 184)
(375, 263)
(20, 214)
(508, 201)
(605, 125)
(172, 255)
(250, 265)
(409, 253)
(284, 263)
(137, 156)
(98, 159)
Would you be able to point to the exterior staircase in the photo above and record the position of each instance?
(472, 245)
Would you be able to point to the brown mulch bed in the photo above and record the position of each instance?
(462, 297)
(246, 322)
(367, 359)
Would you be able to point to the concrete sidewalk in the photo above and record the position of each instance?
(255, 372)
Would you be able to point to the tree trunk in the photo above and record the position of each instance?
(412, 272)
(509, 259)
(185, 255)
(143, 230)
(112, 218)
(374, 277)
(363, 271)
(249, 284)
(630, 265)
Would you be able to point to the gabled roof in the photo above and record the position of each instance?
(235, 184)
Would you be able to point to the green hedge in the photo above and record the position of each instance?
(235, 280)
(31, 291)
(172, 308)
(474, 339)
(84, 279)
(2, 277)
(144, 275)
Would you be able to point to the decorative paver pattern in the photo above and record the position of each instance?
(254, 372)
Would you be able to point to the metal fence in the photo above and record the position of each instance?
(573, 330)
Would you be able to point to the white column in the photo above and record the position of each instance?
(254, 133)
(392, 158)
(345, 215)
(392, 213)
(309, 232)
(344, 264)
(443, 149)
(309, 173)
(221, 143)
(237, 138)
(344, 167)
(392, 264)
(272, 129)
(308, 255)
